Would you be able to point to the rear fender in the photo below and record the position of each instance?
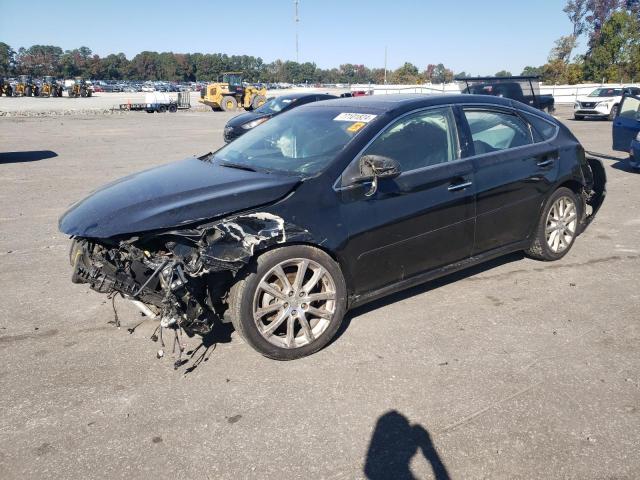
(594, 190)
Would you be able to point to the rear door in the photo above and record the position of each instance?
(513, 174)
(627, 124)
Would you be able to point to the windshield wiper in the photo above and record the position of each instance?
(238, 166)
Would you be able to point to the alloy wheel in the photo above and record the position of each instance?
(294, 303)
(562, 221)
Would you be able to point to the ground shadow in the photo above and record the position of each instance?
(221, 333)
(29, 156)
(620, 163)
(604, 155)
(394, 443)
(425, 287)
(625, 167)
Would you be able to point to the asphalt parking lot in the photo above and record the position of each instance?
(516, 369)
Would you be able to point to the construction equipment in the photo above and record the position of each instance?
(50, 88)
(5, 88)
(25, 87)
(231, 92)
(80, 88)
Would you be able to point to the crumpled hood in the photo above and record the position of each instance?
(169, 196)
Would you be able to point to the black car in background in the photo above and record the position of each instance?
(523, 89)
(275, 106)
(330, 206)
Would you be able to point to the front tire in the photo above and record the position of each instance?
(290, 302)
(613, 113)
(578, 117)
(257, 101)
(558, 226)
(228, 104)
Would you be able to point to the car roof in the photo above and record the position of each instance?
(299, 95)
(408, 101)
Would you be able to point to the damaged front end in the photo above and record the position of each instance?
(594, 191)
(182, 276)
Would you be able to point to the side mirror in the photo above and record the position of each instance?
(375, 167)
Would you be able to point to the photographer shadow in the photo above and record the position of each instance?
(394, 443)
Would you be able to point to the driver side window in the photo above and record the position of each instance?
(419, 140)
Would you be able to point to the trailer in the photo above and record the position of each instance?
(160, 102)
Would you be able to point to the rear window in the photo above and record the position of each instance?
(543, 130)
(492, 131)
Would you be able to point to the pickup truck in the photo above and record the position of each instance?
(522, 89)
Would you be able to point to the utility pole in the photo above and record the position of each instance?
(385, 64)
(297, 20)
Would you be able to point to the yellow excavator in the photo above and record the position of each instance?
(230, 93)
(25, 87)
(80, 88)
(50, 88)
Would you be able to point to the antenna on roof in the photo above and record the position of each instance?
(297, 20)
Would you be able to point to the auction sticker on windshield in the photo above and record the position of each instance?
(356, 127)
(355, 117)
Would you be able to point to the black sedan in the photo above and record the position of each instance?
(330, 206)
(246, 121)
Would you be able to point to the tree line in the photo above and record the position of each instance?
(40, 60)
(611, 29)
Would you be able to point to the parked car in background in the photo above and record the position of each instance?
(603, 102)
(332, 205)
(246, 121)
(626, 129)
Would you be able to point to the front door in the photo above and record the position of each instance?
(420, 220)
(627, 124)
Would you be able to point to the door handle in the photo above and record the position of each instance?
(545, 163)
(454, 187)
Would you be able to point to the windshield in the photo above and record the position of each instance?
(275, 105)
(300, 142)
(606, 92)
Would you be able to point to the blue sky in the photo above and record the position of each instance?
(478, 36)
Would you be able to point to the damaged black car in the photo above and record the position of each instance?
(330, 206)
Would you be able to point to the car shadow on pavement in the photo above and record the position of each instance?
(604, 156)
(394, 443)
(29, 156)
(624, 166)
(425, 287)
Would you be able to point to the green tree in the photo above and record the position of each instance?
(530, 71)
(39, 60)
(441, 74)
(406, 74)
(503, 73)
(615, 55)
(7, 59)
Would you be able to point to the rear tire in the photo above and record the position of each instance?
(162, 109)
(27, 92)
(301, 325)
(173, 108)
(558, 226)
(228, 103)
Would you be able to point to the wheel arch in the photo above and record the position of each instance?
(330, 252)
